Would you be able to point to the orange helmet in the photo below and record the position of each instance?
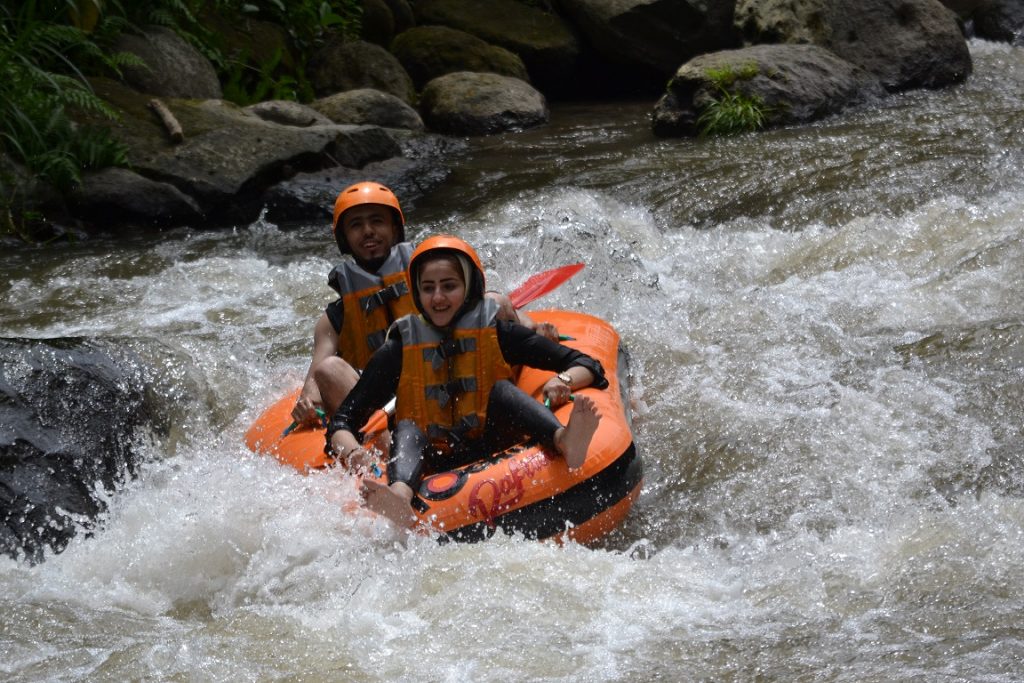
(366, 193)
(475, 281)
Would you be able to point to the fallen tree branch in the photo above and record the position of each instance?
(167, 119)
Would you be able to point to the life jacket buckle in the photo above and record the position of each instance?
(444, 393)
(372, 302)
(448, 348)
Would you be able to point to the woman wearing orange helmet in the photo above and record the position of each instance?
(372, 292)
(449, 366)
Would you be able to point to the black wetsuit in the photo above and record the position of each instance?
(511, 413)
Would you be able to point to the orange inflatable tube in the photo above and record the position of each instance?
(525, 489)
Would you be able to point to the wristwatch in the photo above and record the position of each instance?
(565, 377)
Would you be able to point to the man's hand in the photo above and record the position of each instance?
(506, 311)
(305, 412)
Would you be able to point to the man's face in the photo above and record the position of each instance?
(369, 230)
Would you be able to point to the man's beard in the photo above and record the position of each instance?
(373, 265)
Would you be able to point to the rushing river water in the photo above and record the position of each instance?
(826, 325)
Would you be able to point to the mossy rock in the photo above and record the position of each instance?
(427, 52)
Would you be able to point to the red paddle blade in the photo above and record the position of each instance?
(540, 284)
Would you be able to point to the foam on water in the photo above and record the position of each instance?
(791, 506)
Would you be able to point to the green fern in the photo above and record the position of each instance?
(120, 60)
(48, 47)
(246, 85)
(40, 80)
(93, 149)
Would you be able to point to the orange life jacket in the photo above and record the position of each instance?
(371, 302)
(447, 380)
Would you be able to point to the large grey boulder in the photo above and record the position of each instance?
(173, 67)
(795, 83)
(229, 157)
(69, 411)
(349, 65)
(905, 43)
(427, 52)
(369, 107)
(75, 414)
(426, 162)
(377, 23)
(543, 40)
(465, 103)
(659, 34)
(117, 195)
(404, 17)
(288, 113)
(1000, 20)
(382, 20)
(964, 8)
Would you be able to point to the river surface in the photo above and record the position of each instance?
(826, 326)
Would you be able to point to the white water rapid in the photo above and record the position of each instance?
(826, 327)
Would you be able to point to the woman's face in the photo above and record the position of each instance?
(442, 290)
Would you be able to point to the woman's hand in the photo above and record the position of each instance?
(344, 446)
(556, 392)
(361, 460)
(352, 455)
(547, 330)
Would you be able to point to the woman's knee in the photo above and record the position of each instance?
(408, 436)
(503, 390)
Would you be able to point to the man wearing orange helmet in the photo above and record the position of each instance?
(372, 292)
(449, 367)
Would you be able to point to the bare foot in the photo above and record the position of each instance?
(391, 502)
(574, 439)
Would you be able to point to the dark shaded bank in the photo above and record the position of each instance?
(432, 69)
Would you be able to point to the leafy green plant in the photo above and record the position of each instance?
(246, 84)
(48, 47)
(732, 111)
(40, 83)
(16, 221)
(731, 114)
(306, 22)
